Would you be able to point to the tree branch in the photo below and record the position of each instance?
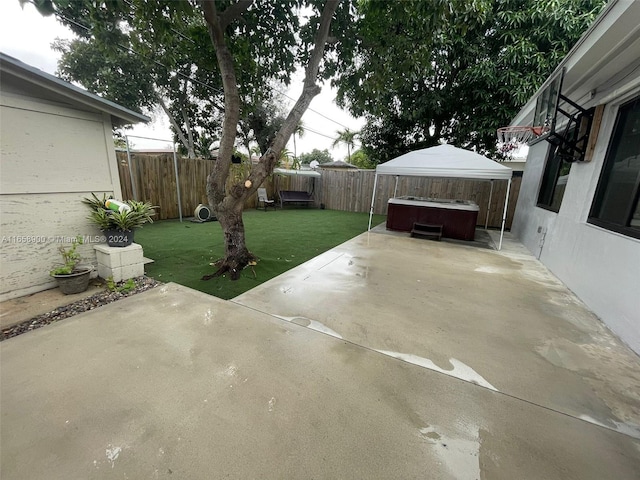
(217, 178)
(310, 89)
(173, 121)
(233, 12)
(191, 152)
(268, 160)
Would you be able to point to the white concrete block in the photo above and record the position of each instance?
(131, 256)
(132, 271)
(104, 271)
(121, 273)
(108, 259)
(114, 257)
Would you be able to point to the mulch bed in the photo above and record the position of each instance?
(90, 303)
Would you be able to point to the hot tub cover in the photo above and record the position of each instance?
(445, 161)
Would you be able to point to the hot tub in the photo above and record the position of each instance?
(457, 217)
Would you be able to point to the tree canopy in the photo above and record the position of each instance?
(361, 160)
(320, 156)
(253, 42)
(144, 55)
(422, 76)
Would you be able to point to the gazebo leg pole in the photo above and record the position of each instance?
(486, 221)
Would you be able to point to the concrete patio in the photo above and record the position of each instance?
(385, 357)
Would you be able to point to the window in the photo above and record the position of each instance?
(615, 205)
(554, 181)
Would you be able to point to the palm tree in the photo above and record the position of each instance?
(300, 132)
(284, 159)
(348, 137)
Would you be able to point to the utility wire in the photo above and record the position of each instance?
(307, 129)
(130, 50)
(188, 77)
(308, 109)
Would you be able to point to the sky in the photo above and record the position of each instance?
(27, 36)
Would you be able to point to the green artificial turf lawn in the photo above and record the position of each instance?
(281, 239)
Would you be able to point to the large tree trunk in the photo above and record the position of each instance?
(229, 205)
(237, 256)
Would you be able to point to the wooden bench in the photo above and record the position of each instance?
(294, 196)
(423, 230)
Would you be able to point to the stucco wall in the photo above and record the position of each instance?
(599, 266)
(33, 227)
(52, 156)
(531, 223)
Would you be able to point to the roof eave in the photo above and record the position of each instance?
(119, 115)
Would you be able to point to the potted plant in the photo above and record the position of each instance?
(71, 277)
(118, 226)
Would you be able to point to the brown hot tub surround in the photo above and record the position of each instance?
(457, 217)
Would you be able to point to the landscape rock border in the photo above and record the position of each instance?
(99, 299)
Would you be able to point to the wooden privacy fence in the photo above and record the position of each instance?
(155, 181)
(349, 190)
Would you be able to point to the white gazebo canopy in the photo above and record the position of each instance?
(446, 161)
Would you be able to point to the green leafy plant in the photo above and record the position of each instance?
(105, 219)
(125, 287)
(96, 203)
(70, 258)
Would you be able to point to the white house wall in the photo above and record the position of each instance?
(52, 149)
(601, 267)
(33, 227)
(52, 157)
(531, 223)
(598, 266)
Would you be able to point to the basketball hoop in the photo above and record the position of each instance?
(512, 138)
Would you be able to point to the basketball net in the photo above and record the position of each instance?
(510, 139)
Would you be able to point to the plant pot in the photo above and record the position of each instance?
(75, 282)
(119, 238)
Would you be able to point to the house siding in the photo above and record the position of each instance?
(53, 155)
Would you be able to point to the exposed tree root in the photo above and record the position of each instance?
(233, 266)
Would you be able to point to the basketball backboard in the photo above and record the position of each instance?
(547, 105)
